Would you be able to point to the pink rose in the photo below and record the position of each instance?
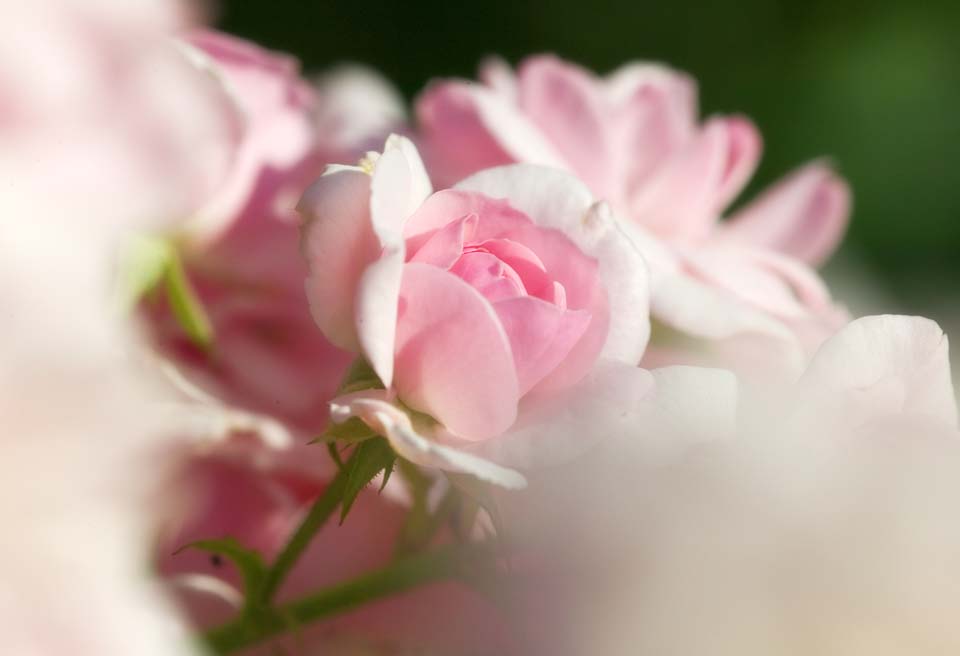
(634, 138)
(511, 309)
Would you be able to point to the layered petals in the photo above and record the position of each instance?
(453, 358)
(804, 215)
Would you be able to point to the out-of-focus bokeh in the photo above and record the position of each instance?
(875, 86)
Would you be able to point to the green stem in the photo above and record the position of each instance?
(186, 304)
(321, 511)
(397, 577)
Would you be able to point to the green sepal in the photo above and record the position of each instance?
(372, 457)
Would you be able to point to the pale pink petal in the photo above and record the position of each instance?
(655, 116)
(445, 246)
(529, 268)
(733, 271)
(744, 147)
(804, 215)
(555, 199)
(541, 336)
(569, 107)
(399, 185)
(339, 243)
(767, 280)
(389, 421)
(883, 366)
(554, 428)
(685, 198)
(453, 360)
(453, 134)
(518, 134)
(355, 109)
(481, 270)
(689, 405)
(728, 331)
(378, 294)
(496, 73)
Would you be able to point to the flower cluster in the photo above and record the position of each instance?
(237, 296)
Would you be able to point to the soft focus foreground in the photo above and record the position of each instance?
(284, 372)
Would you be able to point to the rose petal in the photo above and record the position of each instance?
(339, 243)
(882, 366)
(736, 333)
(553, 428)
(541, 336)
(394, 424)
(568, 105)
(453, 134)
(804, 215)
(453, 360)
(555, 199)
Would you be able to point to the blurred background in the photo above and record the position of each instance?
(875, 86)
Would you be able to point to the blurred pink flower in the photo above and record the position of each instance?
(482, 306)
(634, 138)
(809, 509)
(241, 247)
(108, 130)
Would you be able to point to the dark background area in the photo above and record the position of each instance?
(875, 86)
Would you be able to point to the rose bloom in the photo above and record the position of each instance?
(740, 287)
(511, 309)
(241, 246)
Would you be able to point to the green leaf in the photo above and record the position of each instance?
(186, 304)
(372, 457)
(250, 563)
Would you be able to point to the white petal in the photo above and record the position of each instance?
(394, 424)
(882, 366)
(689, 405)
(606, 404)
(729, 325)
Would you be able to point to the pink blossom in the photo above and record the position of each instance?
(828, 500)
(635, 139)
(481, 306)
(241, 246)
(107, 130)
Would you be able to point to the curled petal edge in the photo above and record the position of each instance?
(375, 410)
